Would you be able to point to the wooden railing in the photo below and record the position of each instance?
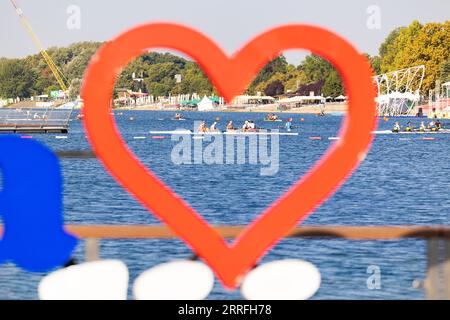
(436, 283)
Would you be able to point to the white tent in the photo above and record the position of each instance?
(302, 99)
(206, 104)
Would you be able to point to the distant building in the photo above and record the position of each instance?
(138, 79)
(252, 100)
(125, 96)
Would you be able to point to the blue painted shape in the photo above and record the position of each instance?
(31, 206)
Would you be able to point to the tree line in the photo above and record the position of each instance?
(416, 44)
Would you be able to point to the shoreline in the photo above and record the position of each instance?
(330, 108)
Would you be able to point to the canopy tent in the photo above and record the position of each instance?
(206, 104)
(190, 102)
(215, 99)
(385, 98)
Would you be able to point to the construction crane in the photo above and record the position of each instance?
(62, 80)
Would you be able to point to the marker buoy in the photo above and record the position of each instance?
(315, 138)
(158, 137)
(302, 119)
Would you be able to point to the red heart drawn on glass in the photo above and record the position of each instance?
(230, 75)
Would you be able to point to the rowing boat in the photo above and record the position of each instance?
(278, 120)
(227, 133)
(442, 131)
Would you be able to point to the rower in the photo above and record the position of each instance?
(288, 124)
(251, 125)
(246, 126)
(438, 125)
(213, 127)
(422, 127)
(274, 117)
(396, 127)
(432, 125)
(409, 127)
(230, 126)
(202, 128)
(177, 116)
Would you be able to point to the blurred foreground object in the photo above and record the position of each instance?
(31, 207)
(288, 279)
(98, 280)
(175, 280)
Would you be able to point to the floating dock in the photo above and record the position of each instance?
(34, 120)
(33, 129)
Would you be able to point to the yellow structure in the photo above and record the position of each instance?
(62, 80)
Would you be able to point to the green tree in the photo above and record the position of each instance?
(193, 80)
(419, 44)
(317, 69)
(44, 80)
(333, 85)
(375, 63)
(75, 88)
(389, 43)
(274, 88)
(277, 65)
(16, 79)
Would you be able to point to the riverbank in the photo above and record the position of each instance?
(329, 108)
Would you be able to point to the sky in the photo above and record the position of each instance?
(365, 23)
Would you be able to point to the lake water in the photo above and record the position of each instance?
(403, 181)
